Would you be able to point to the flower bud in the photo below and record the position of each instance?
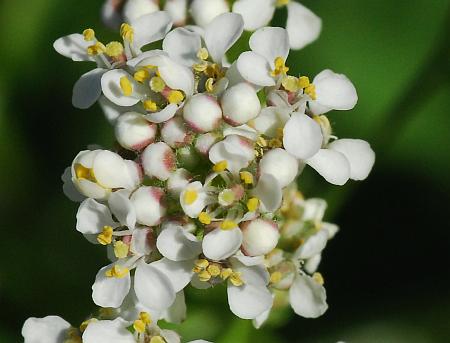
(178, 181)
(134, 132)
(204, 11)
(149, 206)
(133, 9)
(205, 142)
(158, 160)
(260, 237)
(240, 104)
(280, 164)
(177, 11)
(175, 134)
(202, 113)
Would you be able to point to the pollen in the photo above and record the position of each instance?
(175, 97)
(200, 67)
(252, 204)
(121, 249)
(88, 34)
(202, 263)
(311, 91)
(114, 49)
(214, 269)
(280, 67)
(96, 49)
(290, 83)
(225, 273)
(204, 276)
(228, 224)
(117, 272)
(281, 3)
(150, 105)
(220, 166)
(157, 84)
(190, 196)
(127, 32)
(203, 54)
(247, 177)
(145, 317)
(236, 279)
(303, 81)
(209, 85)
(105, 237)
(139, 326)
(204, 218)
(126, 86)
(318, 278)
(83, 173)
(141, 75)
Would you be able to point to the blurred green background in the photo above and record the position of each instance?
(386, 272)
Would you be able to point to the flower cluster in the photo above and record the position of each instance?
(202, 190)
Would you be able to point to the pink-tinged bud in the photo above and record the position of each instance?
(175, 133)
(280, 164)
(133, 9)
(149, 205)
(205, 142)
(204, 11)
(158, 160)
(178, 181)
(134, 132)
(240, 104)
(260, 237)
(202, 113)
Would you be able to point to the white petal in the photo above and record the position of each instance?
(92, 217)
(193, 210)
(270, 119)
(142, 241)
(220, 244)
(50, 329)
(270, 42)
(122, 208)
(312, 263)
(256, 275)
(243, 130)
(255, 69)
(153, 289)
(280, 164)
(314, 210)
(222, 33)
(358, 153)
(178, 181)
(256, 13)
(177, 312)
(182, 46)
(111, 171)
(249, 301)
(302, 136)
(133, 9)
(261, 319)
(68, 187)
(164, 115)
(332, 165)
(110, 15)
(111, 88)
(202, 113)
(236, 150)
(110, 291)
(177, 10)
(178, 245)
(313, 245)
(204, 11)
(150, 28)
(87, 89)
(134, 132)
(302, 25)
(73, 46)
(269, 193)
(307, 297)
(108, 331)
(179, 273)
(260, 237)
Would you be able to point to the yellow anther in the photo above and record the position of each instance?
(209, 85)
(150, 105)
(252, 204)
(214, 269)
(280, 133)
(203, 54)
(317, 277)
(83, 173)
(114, 49)
(280, 67)
(96, 49)
(157, 339)
(261, 141)
(236, 279)
(139, 326)
(311, 91)
(105, 237)
(127, 32)
(290, 83)
(202, 263)
(175, 97)
(88, 34)
(247, 177)
(117, 272)
(145, 317)
(225, 273)
(190, 196)
(157, 84)
(228, 224)
(204, 276)
(281, 3)
(214, 70)
(276, 277)
(275, 143)
(204, 218)
(141, 75)
(303, 81)
(121, 249)
(220, 166)
(85, 324)
(126, 86)
(200, 67)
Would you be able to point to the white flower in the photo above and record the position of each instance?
(260, 236)
(50, 329)
(133, 9)
(240, 104)
(176, 244)
(204, 11)
(235, 152)
(134, 132)
(177, 10)
(281, 165)
(222, 242)
(269, 193)
(158, 160)
(149, 205)
(307, 297)
(108, 331)
(194, 198)
(202, 113)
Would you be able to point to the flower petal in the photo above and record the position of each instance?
(92, 217)
(150, 28)
(182, 46)
(50, 329)
(111, 171)
(179, 273)
(307, 297)
(220, 244)
(313, 245)
(302, 25)
(332, 165)
(108, 331)
(270, 42)
(111, 88)
(269, 193)
(73, 46)
(249, 301)
(122, 208)
(177, 312)
(178, 245)
(256, 13)
(281, 165)
(164, 115)
(255, 69)
(110, 291)
(88, 89)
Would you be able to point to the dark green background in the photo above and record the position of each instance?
(386, 273)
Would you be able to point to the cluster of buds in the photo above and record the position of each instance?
(202, 190)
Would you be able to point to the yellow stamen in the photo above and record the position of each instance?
(127, 32)
(204, 218)
(121, 249)
(126, 86)
(275, 143)
(280, 67)
(83, 173)
(117, 272)
(139, 326)
(225, 273)
(150, 105)
(290, 83)
(228, 225)
(157, 339)
(190, 196)
(261, 141)
(209, 85)
(202, 263)
(85, 324)
(247, 177)
(214, 269)
(114, 49)
(96, 49)
(220, 166)
(88, 34)
(252, 204)
(311, 91)
(276, 277)
(105, 237)
(175, 97)
(145, 317)
(236, 279)
(200, 67)
(141, 75)
(203, 54)
(204, 276)
(303, 81)
(317, 277)
(157, 84)
(281, 3)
